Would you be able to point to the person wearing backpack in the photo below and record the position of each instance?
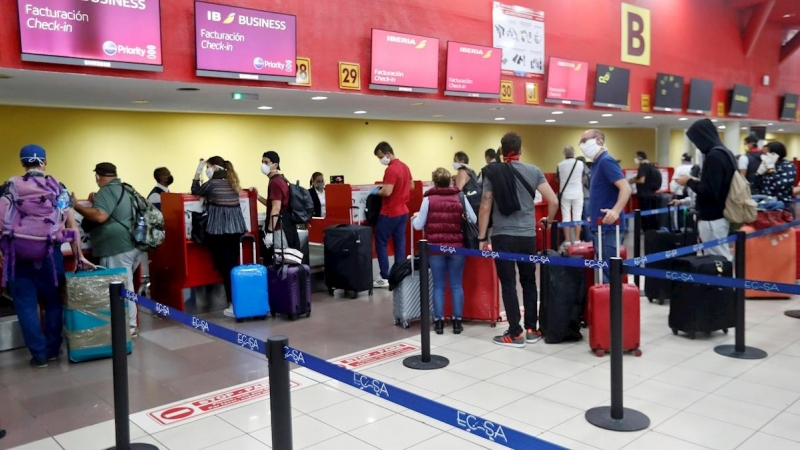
(648, 181)
(713, 187)
(569, 174)
(32, 281)
(279, 212)
(467, 181)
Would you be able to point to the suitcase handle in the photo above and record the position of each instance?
(242, 239)
(599, 251)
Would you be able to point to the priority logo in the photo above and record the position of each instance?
(109, 48)
(258, 63)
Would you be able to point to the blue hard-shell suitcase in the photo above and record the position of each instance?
(249, 287)
(87, 315)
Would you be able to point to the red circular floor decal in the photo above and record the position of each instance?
(177, 413)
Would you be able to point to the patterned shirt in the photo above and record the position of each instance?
(780, 183)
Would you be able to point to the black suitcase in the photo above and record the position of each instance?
(348, 259)
(562, 300)
(656, 241)
(697, 307)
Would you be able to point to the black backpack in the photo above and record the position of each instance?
(300, 203)
(473, 190)
(372, 210)
(654, 178)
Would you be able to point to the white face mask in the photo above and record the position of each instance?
(457, 165)
(591, 148)
(385, 161)
(265, 169)
(210, 172)
(637, 161)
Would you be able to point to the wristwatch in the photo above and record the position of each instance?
(483, 239)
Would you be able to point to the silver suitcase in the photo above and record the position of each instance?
(405, 297)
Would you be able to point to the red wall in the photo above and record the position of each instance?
(693, 38)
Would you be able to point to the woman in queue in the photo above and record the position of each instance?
(226, 224)
(776, 175)
(441, 215)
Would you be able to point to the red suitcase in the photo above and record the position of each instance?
(599, 312)
(481, 292)
(586, 251)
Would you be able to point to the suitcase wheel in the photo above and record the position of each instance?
(675, 331)
(661, 301)
(637, 353)
(273, 314)
(494, 324)
(397, 322)
(2, 434)
(725, 330)
(370, 292)
(354, 295)
(691, 335)
(330, 292)
(649, 299)
(308, 314)
(239, 320)
(292, 317)
(406, 325)
(584, 324)
(599, 353)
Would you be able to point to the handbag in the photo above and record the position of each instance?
(199, 224)
(468, 229)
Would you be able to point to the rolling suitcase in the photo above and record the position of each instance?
(563, 296)
(87, 314)
(406, 304)
(770, 258)
(599, 311)
(481, 292)
(586, 251)
(249, 286)
(348, 259)
(656, 241)
(696, 307)
(290, 290)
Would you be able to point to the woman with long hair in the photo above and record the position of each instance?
(775, 176)
(226, 223)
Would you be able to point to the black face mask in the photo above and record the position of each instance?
(169, 181)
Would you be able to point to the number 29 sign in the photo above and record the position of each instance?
(349, 76)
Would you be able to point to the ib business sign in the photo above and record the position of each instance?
(245, 44)
(121, 34)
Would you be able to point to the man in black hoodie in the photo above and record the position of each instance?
(712, 189)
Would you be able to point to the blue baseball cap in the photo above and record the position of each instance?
(32, 153)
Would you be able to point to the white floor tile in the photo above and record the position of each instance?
(100, 435)
(352, 414)
(513, 357)
(581, 430)
(306, 431)
(733, 411)
(453, 356)
(447, 338)
(581, 354)
(600, 377)
(311, 375)
(574, 394)
(763, 441)
(487, 396)
(317, 397)
(641, 366)
(665, 394)
(784, 362)
(539, 412)
(342, 442)
(508, 422)
(245, 442)
(705, 431)
(44, 444)
(524, 381)
(445, 441)
(653, 440)
(252, 417)
(149, 440)
(792, 350)
(443, 381)
(786, 425)
(693, 379)
(552, 349)
(395, 433)
(657, 414)
(474, 347)
(480, 368)
(557, 367)
(758, 394)
(795, 408)
(199, 434)
(565, 441)
(394, 370)
(773, 376)
(720, 365)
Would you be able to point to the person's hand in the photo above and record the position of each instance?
(254, 189)
(200, 167)
(611, 216)
(91, 197)
(484, 246)
(86, 264)
(375, 190)
(415, 215)
(268, 239)
(683, 179)
(73, 199)
(762, 169)
(675, 203)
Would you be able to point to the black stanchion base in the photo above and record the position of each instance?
(793, 314)
(632, 420)
(748, 353)
(139, 447)
(416, 363)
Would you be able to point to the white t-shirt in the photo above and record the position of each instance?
(683, 169)
(574, 189)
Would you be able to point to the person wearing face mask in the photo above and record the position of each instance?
(608, 189)
(569, 174)
(776, 175)
(317, 192)
(749, 162)
(466, 180)
(279, 230)
(226, 224)
(648, 182)
(112, 214)
(396, 191)
(163, 179)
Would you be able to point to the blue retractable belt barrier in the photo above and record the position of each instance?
(736, 283)
(519, 257)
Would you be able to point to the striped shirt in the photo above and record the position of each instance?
(224, 214)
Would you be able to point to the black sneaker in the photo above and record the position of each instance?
(508, 340)
(438, 326)
(55, 356)
(39, 363)
(457, 327)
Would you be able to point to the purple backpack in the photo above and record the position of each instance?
(31, 223)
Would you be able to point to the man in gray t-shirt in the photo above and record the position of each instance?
(509, 202)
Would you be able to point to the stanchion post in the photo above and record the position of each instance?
(739, 350)
(637, 240)
(280, 397)
(425, 361)
(119, 363)
(616, 417)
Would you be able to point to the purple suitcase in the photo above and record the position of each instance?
(290, 296)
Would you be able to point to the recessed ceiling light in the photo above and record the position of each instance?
(418, 104)
(499, 119)
(5, 77)
(683, 119)
(438, 115)
(140, 102)
(556, 113)
(593, 121)
(265, 107)
(608, 115)
(780, 129)
(359, 112)
(319, 98)
(721, 127)
(744, 128)
(648, 117)
(188, 89)
(770, 124)
(550, 120)
(496, 108)
(714, 120)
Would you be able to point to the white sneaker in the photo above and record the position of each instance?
(381, 284)
(134, 332)
(228, 312)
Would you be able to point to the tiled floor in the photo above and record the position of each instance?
(695, 398)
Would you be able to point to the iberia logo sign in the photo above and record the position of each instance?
(215, 16)
(476, 51)
(407, 41)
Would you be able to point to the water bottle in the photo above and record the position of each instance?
(64, 200)
(140, 231)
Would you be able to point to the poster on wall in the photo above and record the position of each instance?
(520, 33)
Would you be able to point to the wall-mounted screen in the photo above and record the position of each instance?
(700, 96)
(244, 44)
(740, 100)
(611, 86)
(789, 107)
(404, 62)
(473, 70)
(566, 81)
(119, 35)
(669, 93)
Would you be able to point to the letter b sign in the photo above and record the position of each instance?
(635, 35)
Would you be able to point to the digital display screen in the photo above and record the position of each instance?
(244, 44)
(669, 93)
(473, 70)
(404, 62)
(611, 86)
(789, 107)
(567, 81)
(700, 96)
(109, 34)
(740, 100)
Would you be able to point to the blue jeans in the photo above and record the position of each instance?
(394, 227)
(30, 286)
(446, 267)
(610, 245)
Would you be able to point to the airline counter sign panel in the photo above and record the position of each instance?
(92, 33)
(473, 70)
(404, 62)
(245, 44)
(635, 35)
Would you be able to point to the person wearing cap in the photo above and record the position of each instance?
(31, 285)
(163, 179)
(110, 221)
(279, 224)
(750, 161)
